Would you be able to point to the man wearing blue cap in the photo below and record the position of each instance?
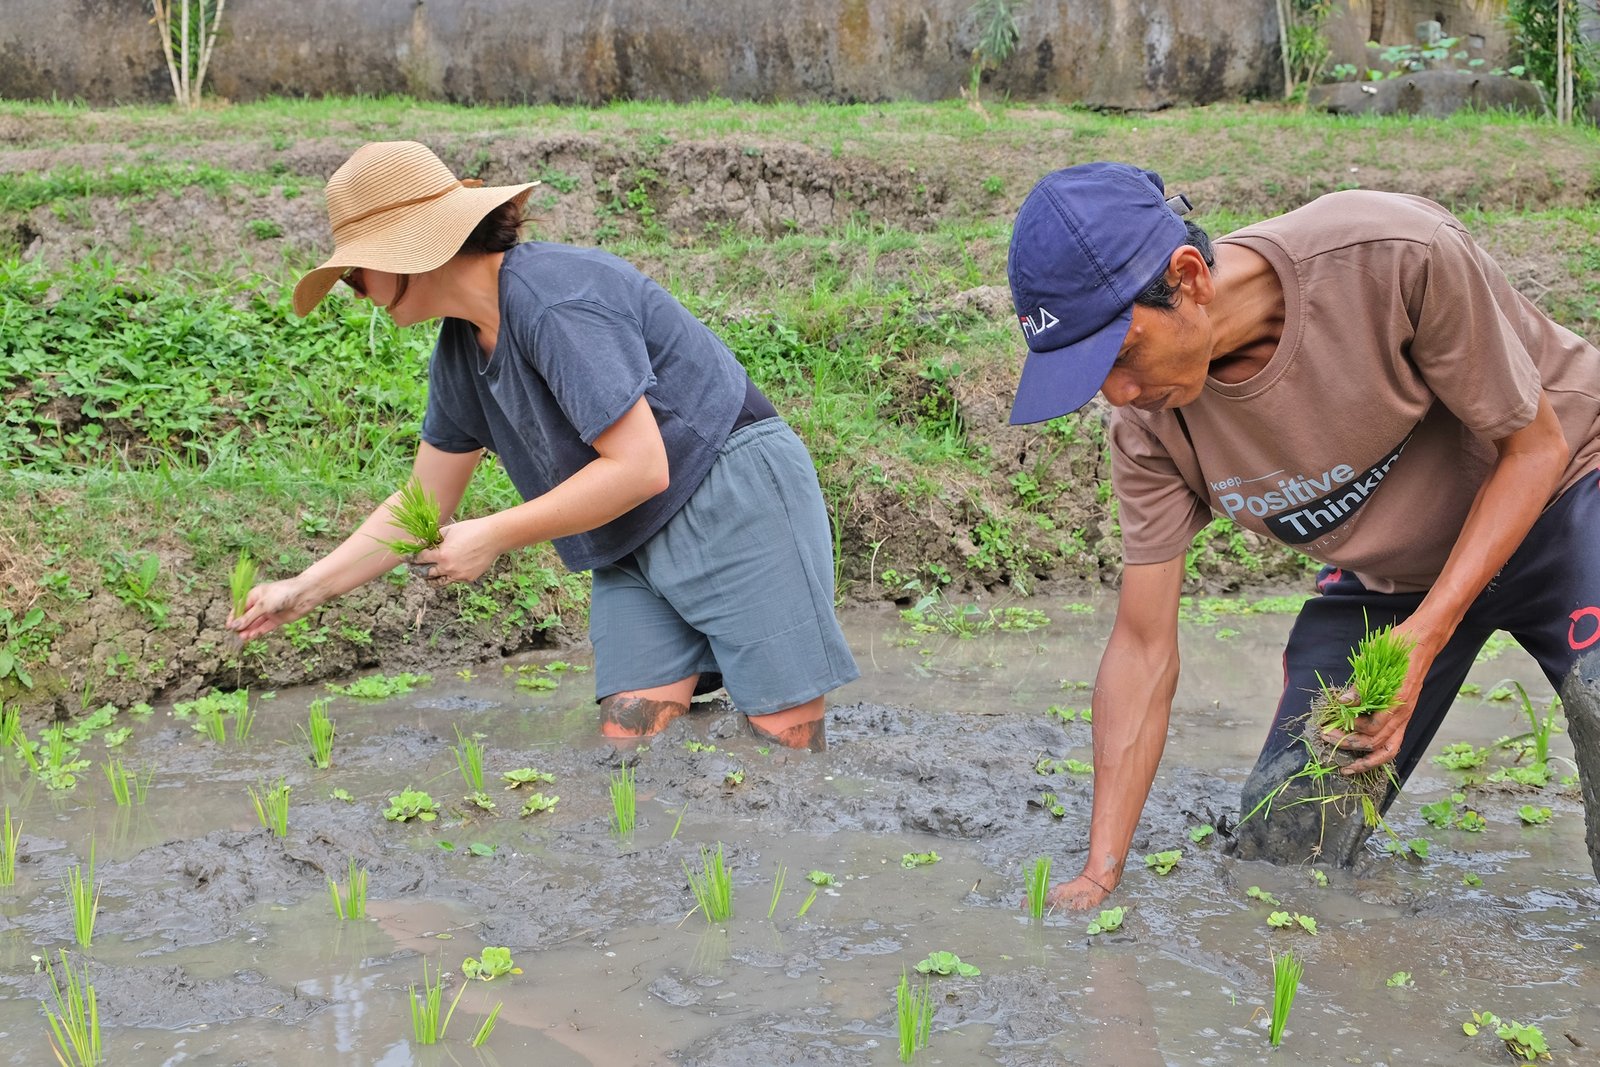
(1356, 379)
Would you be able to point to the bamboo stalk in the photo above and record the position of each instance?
(163, 10)
(205, 52)
(183, 54)
(1283, 47)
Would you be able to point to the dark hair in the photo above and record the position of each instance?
(1158, 294)
(498, 231)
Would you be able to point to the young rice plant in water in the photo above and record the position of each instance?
(84, 896)
(10, 839)
(488, 1026)
(426, 1026)
(75, 1020)
(1038, 886)
(712, 886)
(913, 1016)
(319, 734)
(469, 760)
(272, 807)
(623, 797)
(1286, 970)
(352, 904)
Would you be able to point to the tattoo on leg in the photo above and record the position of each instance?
(636, 716)
(812, 736)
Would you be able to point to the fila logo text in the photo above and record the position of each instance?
(1045, 320)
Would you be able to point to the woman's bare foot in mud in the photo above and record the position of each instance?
(802, 726)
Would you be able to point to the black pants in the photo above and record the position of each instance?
(1547, 596)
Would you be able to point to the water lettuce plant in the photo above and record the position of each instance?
(379, 686)
(1198, 834)
(1532, 815)
(1255, 892)
(1526, 1042)
(352, 904)
(411, 804)
(712, 886)
(1399, 980)
(1038, 886)
(1107, 921)
(75, 1020)
(913, 1016)
(822, 878)
(272, 806)
(319, 733)
(527, 776)
(415, 511)
(241, 580)
(538, 802)
(624, 814)
(947, 963)
(918, 859)
(1281, 919)
(489, 965)
(469, 760)
(1163, 862)
(1286, 972)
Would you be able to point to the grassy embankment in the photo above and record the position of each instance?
(160, 399)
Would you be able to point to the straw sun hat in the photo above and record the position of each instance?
(394, 206)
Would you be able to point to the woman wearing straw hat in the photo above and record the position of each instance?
(637, 441)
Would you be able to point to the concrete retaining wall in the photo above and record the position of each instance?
(1110, 53)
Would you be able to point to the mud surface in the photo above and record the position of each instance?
(216, 941)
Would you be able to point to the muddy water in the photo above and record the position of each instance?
(216, 943)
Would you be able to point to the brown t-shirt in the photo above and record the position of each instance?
(1405, 354)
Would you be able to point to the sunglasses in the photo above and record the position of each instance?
(355, 280)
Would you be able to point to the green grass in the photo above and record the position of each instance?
(75, 1018)
(712, 886)
(83, 895)
(272, 807)
(351, 904)
(319, 733)
(624, 798)
(10, 841)
(1286, 971)
(1038, 885)
(469, 760)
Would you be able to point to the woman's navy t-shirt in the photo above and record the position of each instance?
(583, 335)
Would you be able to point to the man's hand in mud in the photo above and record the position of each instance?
(469, 548)
(1080, 894)
(270, 606)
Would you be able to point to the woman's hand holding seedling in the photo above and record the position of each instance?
(270, 606)
(468, 548)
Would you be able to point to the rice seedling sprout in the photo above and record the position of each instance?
(488, 1026)
(10, 839)
(623, 797)
(1038, 886)
(415, 511)
(811, 898)
(913, 1016)
(75, 1022)
(213, 726)
(241, 580)
(125, 786)
(777, 889)
(319, 733)
(243, 720)
(85, 898)
(426, 1025)
(1286, 971)
(352, 904)
(10, 726)
(1377, 670)
(712, 886)
(679, 824)
(272, 807)
(469, 760)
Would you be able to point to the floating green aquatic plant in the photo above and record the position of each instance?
(918, 859)
(1107, 921)
(1163, 862)
(538, 802)
(489, 965)
(411, 804)
(527, 776)
(947, 963)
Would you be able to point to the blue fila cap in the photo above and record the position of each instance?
(1087, 240)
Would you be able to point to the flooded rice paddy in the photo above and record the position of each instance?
(217, 943)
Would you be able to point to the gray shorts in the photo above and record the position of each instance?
(739, 583)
